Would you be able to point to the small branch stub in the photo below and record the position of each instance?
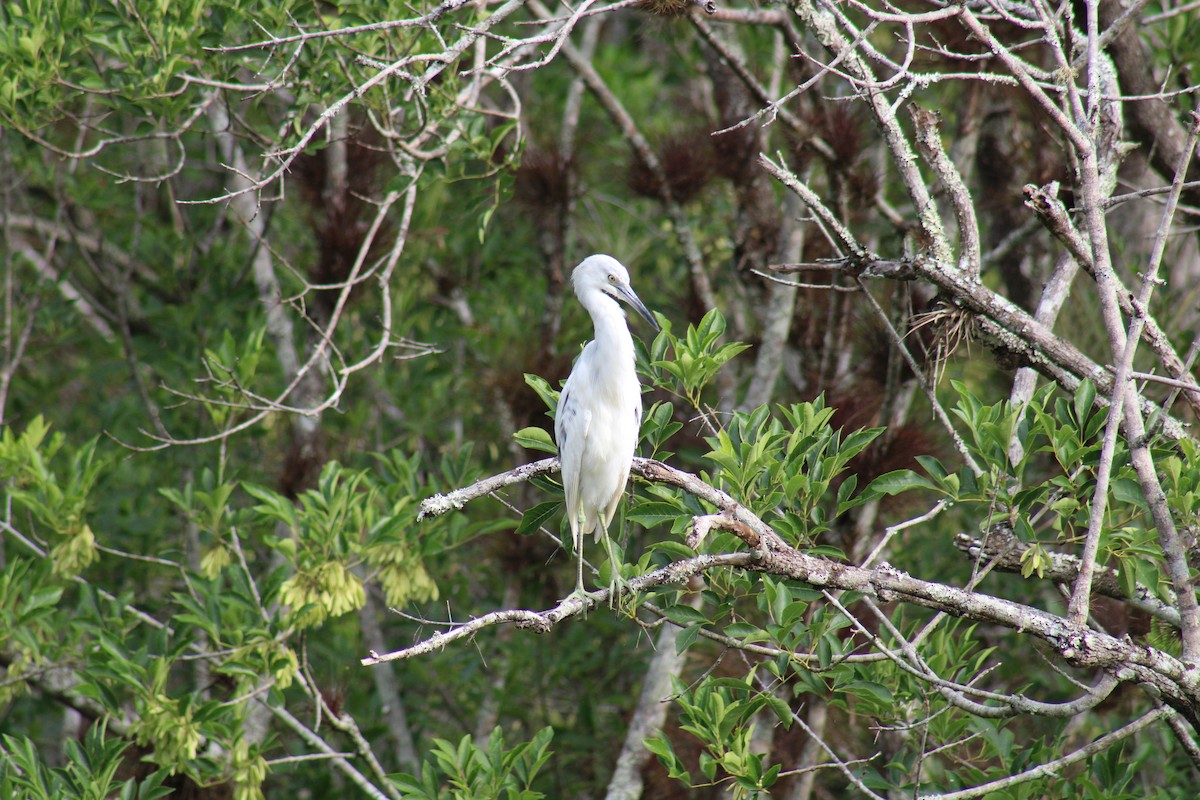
(701, 525)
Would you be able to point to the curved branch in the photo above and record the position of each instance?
(1176, 682)
(543, 621)
(1008, 705)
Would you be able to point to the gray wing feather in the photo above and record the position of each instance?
(571, 425)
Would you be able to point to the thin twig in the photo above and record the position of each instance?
(1053, 769)
(923, 381)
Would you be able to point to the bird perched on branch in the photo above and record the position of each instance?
(600, 408)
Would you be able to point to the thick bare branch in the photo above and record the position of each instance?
(1178, 684)
(543, 621)
(929, 143)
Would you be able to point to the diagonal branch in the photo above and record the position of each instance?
(543, 621)
(1053, 769)
(1004, 552)
(1081, 594)
(1003, 322)
(1175, 682)
(1053, 214)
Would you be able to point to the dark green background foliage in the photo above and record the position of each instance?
(260, 302)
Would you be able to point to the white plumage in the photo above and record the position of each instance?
(600, 408)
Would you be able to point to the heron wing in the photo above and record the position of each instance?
(611, 511)
(571, 425)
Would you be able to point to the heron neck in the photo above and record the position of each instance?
(612, 331)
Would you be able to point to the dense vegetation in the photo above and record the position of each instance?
(917, 514)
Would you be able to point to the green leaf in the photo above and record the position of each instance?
(781, 709)
(686, 638)
(548, 394)
(1128, 490)
(1085, 396)
(659, 746)
(845, 499)
(896, 482)
(650, 514)
(882, 693)
(535, 439)
(740, 630)
(684, 615)
(42, 598)
(537, 516)
(673, 550)
(934, 467)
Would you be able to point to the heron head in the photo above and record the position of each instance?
(604, 275)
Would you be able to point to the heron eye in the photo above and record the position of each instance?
(612, 279)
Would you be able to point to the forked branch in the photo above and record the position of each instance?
(1172, 680)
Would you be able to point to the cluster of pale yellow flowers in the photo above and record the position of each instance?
(327, 590)
(249, 772)
(215, 559)
(72, 555)
(331, 589)
(173, 732)
(401, 574)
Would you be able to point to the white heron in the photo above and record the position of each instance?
(600, 409)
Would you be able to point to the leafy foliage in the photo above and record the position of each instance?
(90, 771)
(467, 771)
(278, 272)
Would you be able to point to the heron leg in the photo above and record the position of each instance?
(579, 578)
(616, 584)
(588, 598)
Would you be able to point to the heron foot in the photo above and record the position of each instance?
(587, 599)
(618, 590)
(618, 587)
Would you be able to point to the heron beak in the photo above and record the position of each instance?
(632, 299)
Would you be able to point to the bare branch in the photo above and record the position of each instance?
(434, 15)
(1080, 595)
(923, 380)
(1045, 203)
(629, 129)
(930, 145)
(542, 622)
(314, 740)
(823, 22)
(828, 219)
(1004, 552)
(1078, 645)
(1052, 769)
